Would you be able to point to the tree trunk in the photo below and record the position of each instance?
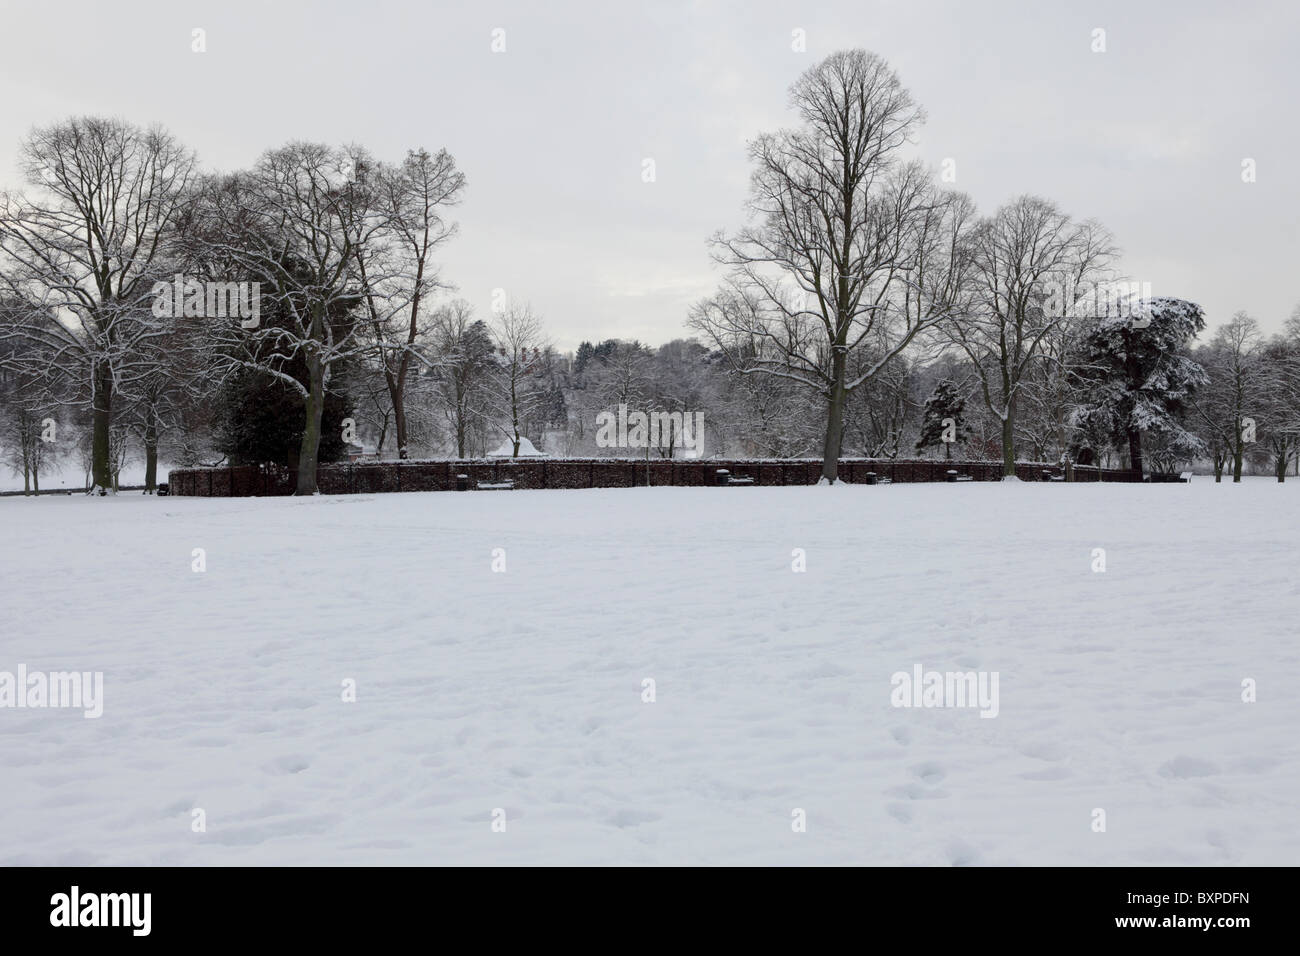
(1135, 450)
(396, 382)
(314, 407)
(150, 457)
(1009, 445)
(36, 480)
(1280, 468)
(1237, 456)
(835, 417)
(27, 480)
(102, 418)
(399, 422)
(514, 414)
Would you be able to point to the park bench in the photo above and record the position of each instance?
(726, 478)
(506, 485)
(955, 475)
(1185, 477)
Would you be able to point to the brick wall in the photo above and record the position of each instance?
(372, 477)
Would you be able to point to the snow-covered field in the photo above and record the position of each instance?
(65, 475)
(522, 691)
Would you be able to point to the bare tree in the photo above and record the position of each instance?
(1227, 408)
(86, 247)
(29, 427)
(1280, 410)
(414, 197)
(1019, 258)
(463, 356)
(294, 223)
(846, 246)
(520, 342)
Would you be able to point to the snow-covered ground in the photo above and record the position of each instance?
(522, 690)
(68, 475)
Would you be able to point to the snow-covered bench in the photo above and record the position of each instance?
(506, 485)
(725, 477)
(1185, 477)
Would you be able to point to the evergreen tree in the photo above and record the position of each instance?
(1137, 376)
(942, 421)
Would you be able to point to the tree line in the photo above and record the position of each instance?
(296, 312)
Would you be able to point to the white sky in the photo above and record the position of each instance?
(1148, 137)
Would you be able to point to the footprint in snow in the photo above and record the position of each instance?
(291, 763)
(1044, 750)
(631, 818)
(1183, 766)
(914, 791)
(961, 853)
(929, 772)
(900, 812)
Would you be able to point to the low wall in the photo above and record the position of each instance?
(371, 477)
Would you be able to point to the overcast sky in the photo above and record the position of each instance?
(1148, 137)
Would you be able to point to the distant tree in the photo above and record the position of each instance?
(86, 245)
(520, 344)
(582, 357)
(29, 425)
(943, 421)
(1029, 262)
(395, 267)
(1279, 426)
(463, 354)
(1229, 408)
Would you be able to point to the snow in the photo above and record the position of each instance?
(507, 450)
(522, 691)
(68, 476)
